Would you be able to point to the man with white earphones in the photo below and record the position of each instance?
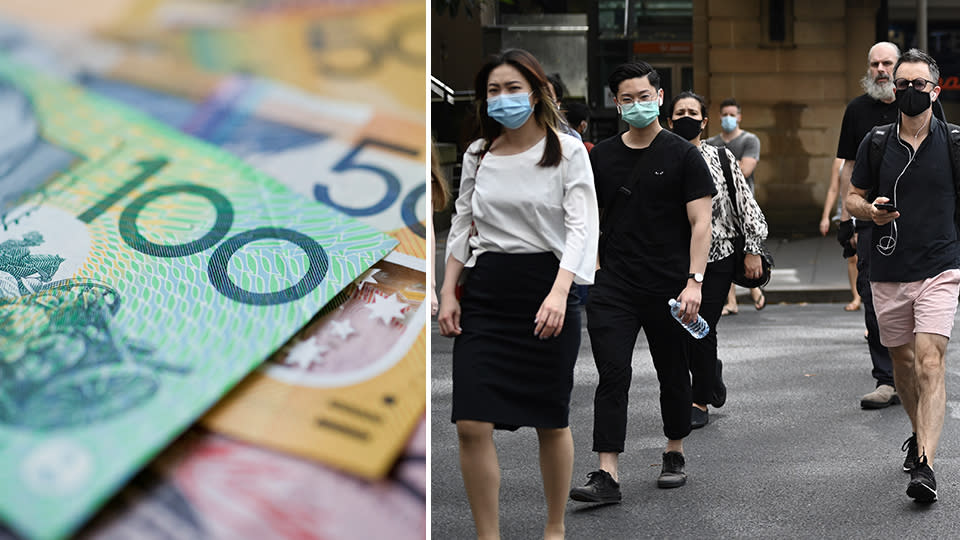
(911, 198)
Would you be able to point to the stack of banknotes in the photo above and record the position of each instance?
(212, 274)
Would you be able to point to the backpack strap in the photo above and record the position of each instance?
(879, 136)
(953, 140)
(619, 197)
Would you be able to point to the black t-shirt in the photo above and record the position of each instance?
(862, 113)
(926, 237)
(649, 246)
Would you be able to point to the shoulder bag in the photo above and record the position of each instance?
(740, 240)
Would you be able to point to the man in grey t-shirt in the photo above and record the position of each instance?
(744, 145)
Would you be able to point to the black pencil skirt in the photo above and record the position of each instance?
(502, 373)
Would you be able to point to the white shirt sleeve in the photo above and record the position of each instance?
(520, 207)
(581, 218)
(461, 222)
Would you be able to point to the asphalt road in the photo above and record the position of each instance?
(791, 454)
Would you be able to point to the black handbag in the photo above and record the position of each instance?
(739, 241)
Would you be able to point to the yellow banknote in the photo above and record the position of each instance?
(348, 388)
(373, 52)
(365, 161)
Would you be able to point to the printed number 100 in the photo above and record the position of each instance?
(217, 268)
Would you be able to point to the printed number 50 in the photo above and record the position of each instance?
(391, 182)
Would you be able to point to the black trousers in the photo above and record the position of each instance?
(879, 355)
(703, 352)
(615, 316)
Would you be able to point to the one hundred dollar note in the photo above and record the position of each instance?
(349, 387)
(142, 275)
(343, 154)
(209, 487)
(362, 160)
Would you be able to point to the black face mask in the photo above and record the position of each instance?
(687, 127)
(911, 102)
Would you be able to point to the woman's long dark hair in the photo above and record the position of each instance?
(545, 111)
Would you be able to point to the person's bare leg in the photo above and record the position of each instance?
(905, 378)
(481, 476)
(556, 468)
(674, 445)
(731, 305)
(609, 462)
(854, 304)
(932, 397)
(759, 299)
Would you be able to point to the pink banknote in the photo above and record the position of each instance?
(211, 487)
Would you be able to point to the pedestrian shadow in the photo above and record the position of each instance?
(584, 508)
(919, 507)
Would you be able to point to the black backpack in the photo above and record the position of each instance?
(879, 136)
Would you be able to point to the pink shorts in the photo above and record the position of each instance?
(927, 306)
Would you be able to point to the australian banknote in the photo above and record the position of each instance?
(209, 487)
(350, 384)
(142, 274)
(343, 154)
(361, 51)
(362, 160)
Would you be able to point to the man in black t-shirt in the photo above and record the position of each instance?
(654, 191)
(915, 256)
(875, 107)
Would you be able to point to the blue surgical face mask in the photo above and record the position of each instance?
(728, 123)
(511, 110)
(641, 113)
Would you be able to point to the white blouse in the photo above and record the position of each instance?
(516, 206)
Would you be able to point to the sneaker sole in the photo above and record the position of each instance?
(586, 497)
(669, 484)
(921, 493)
(895, 400)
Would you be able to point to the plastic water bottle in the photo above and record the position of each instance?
(698, 328)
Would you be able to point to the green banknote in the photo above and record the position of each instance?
(142, 275)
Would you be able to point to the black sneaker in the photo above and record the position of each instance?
(600, 488)
(923, 485)
(698, 418)
(910, 447)
(719, 389)
(672, 475)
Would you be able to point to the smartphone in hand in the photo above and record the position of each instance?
(886, 207)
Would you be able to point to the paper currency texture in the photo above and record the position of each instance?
(142, 274)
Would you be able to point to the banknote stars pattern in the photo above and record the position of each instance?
(306, 352)
(367, 277)
(342, 328)
(386, 309)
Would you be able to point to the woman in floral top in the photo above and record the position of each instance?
(688, 117)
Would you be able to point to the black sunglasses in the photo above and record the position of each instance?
(918, 84)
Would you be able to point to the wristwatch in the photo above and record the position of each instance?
(696, 277)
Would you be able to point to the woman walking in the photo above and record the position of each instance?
(688, 117)
(526, 225)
